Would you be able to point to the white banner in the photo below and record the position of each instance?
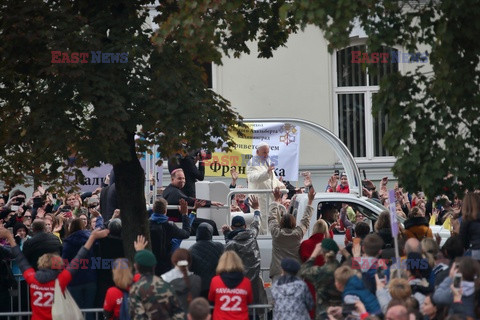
(95, 177)
(284, 142)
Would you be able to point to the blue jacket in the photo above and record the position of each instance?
(355, 287)
(71, 245)
(368, 278)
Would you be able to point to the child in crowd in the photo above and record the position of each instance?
(353, 289)
(291, 296)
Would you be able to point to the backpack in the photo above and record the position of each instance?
(124, 310)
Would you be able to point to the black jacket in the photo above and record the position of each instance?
(205, 255)
(40, 244)
(162, 232)
(470, 234)
(388, 249)
(173, 195)
(110, 247)
(108, 199)
(191, 171)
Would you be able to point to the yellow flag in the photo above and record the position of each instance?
(446, 224)
(432, 220)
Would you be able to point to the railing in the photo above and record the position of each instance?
(248, 191)
(98, 313)
(254, 310)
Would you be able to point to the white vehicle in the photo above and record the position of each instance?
(369, 208)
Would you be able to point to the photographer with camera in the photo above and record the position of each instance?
(188, 162)
(17, 199)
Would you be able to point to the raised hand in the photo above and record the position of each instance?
(99, 234)
(140, 243)
(226, 228)
(277, 195)
(311, 195)
(254, 202)
(307, 179)
(234, 173)
(332, 182)
(116, 213)
(368, 184)
(384, 181)
(183, 206)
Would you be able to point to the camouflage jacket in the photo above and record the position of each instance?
(324, 282)
(153, 298)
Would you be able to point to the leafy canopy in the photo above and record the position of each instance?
(86, 112)
(434, 116)
(51, 111)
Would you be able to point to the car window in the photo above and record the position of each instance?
(323, 207)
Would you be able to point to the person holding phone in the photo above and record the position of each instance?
(353, 289)
(459, 287)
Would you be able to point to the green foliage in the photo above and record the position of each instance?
(434, 129)
(51, 112)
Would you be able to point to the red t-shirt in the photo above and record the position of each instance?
(113, 301)
(230, 304)
(42, 294)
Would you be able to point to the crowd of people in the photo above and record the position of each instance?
(77, 242)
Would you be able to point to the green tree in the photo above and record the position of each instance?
(434, 124)
(56, 117)
(90, 113)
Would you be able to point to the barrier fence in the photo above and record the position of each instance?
(20, 302)
(255, 311)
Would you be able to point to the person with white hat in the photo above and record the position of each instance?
(261, 175)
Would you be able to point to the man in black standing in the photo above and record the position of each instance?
(173, 194)
(163, 231)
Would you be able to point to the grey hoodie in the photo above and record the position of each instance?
(292, 299)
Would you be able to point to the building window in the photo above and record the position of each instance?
(357, 81)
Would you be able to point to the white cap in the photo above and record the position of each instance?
(262, 144)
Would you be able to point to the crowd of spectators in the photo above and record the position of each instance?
(70, 239)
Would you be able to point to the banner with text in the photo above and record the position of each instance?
(284, 142)
(95, 177)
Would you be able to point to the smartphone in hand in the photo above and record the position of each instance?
(457, 280)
